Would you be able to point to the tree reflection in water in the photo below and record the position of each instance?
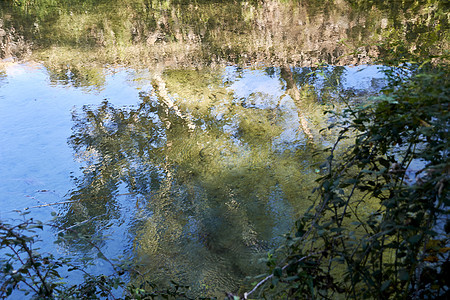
(214, 177)
(215, 190)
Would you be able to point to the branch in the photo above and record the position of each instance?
(49, 204)
(30, 254)
(271, 275)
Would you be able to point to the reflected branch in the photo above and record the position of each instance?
(162, 92)
(293, 91)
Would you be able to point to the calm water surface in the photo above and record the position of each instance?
(178, 135)
(195, 191)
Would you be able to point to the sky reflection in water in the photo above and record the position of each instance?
(232, 201)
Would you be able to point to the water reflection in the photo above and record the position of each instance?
(200, 155)
(90, 78)
(195, 173)
(174, 34)
(215, 165)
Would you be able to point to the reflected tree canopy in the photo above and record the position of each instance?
(83, 35)
(209, 174)
(213, 174)
(212, 169)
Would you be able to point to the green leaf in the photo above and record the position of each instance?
(100, 255)
(292, 278)
(415, 239)
(385, 285)
(351, 181)
(403, 275)
(275, 280)
(277, 272)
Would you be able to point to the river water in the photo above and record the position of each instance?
(181, 136)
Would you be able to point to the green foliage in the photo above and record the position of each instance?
(37, 275)
(377, 230)
(24, 268)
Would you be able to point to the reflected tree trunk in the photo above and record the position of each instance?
(163, 95)
(293, 91)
